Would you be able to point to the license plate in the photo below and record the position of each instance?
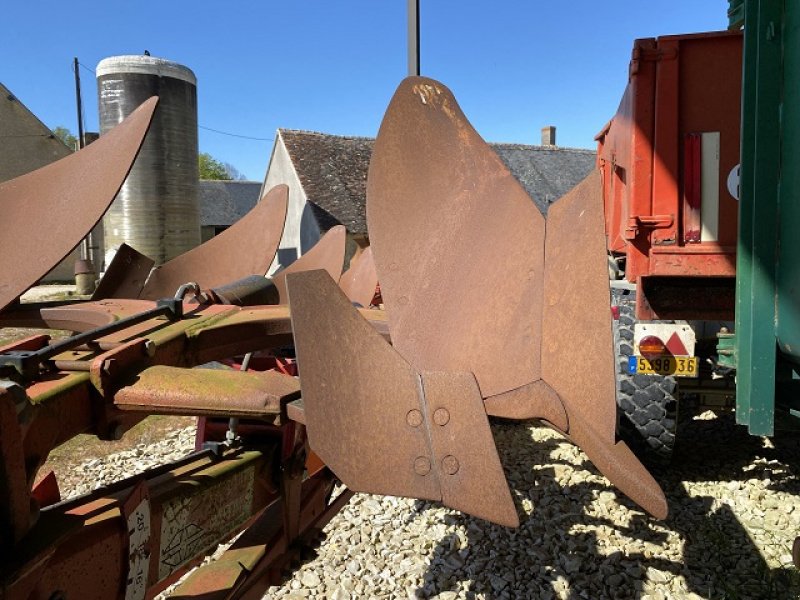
(677, 366)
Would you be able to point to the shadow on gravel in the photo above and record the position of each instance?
(563, 550)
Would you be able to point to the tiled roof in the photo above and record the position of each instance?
(222, 203)
(546, 172)
(333, 172)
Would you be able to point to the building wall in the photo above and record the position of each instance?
(28, 145)
(301, 231)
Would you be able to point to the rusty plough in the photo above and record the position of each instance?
(393, 402)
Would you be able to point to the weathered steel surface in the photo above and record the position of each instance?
(470, 472)
(360, 281)
(469, 269)
(125, 276)
(262, 547)
(48, 211)
(248, 291)
(576, 330)
(187, 499)
(15, 503)
(79, 549)
(383, 427)
(376, 411)
(536, 400)
(327, 254)
(248, 247)
(208, 392)
(458, 243)
(576, 321)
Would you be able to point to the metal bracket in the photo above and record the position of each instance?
(636, 224)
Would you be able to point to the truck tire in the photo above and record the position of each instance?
(647, 404)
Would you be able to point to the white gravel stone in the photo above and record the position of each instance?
(734, 512)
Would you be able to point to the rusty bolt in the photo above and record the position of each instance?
(414, 418)
(450, 464)
(422, 466)
(441, 417)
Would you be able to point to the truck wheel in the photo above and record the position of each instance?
(647, 404)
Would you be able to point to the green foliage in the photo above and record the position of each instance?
(211, 168)
(66, 136)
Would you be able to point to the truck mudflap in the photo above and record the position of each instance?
(470, 270)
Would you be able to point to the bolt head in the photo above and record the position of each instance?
(441, 417)
(422, 466)
(450, 464)
(414, 418)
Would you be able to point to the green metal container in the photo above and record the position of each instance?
(767, 348)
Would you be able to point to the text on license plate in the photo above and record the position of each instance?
(678, 366)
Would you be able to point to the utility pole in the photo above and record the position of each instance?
(84, 267)
(79, 102)
(413, 37)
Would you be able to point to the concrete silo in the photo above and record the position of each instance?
(156, 211)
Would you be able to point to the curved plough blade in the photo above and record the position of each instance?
(458, 244)
(390, 429)
(327, 254)
(360, 281)
(247, 247)
(47, 212)
(125, 275)
(470, 270)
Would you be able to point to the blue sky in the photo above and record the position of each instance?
(332, 65)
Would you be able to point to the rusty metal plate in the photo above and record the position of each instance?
(46, 213)
(576, 321)
(362, 408)
(15, 507)
(327, 254)
(381, 426)
(616, 461)
(470, 472)
(536, 400)
(125, 276)
(458, 243)
(361, 279)
(208, 392)
(576, 330)
(247, 247)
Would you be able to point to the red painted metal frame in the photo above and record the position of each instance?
(692, 196)
(679, 87)
(46, 547)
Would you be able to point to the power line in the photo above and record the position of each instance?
(246, 137)
(237, 135)
(24, 135)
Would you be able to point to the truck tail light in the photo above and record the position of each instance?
(651, 346)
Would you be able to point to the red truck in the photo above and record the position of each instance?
(669, 161)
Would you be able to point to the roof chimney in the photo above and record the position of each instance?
(549, 136)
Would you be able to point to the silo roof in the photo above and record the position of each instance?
(145, 65)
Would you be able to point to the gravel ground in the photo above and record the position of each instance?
(734, 512)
